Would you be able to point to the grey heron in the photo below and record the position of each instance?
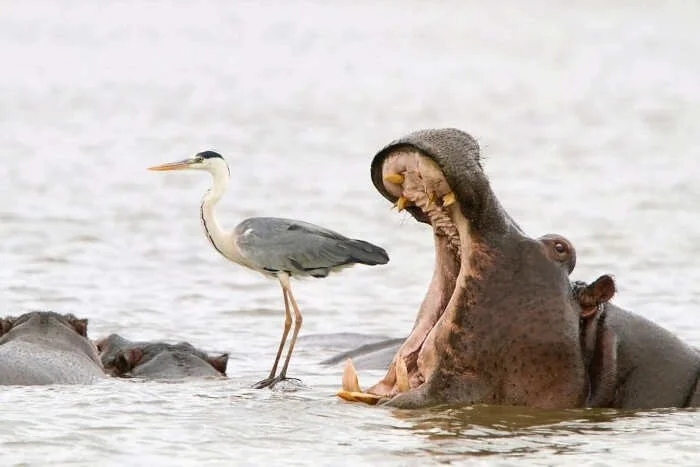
(276, 247)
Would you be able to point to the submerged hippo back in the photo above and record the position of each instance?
(46, 348)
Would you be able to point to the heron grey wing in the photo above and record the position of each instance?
(270, 226)
(277, 244)
(282, 245)
(281, 224)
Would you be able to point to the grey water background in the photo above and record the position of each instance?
(588, 117)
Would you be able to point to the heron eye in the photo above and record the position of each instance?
(560, 248)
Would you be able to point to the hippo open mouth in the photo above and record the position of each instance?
(478, 329)
(418, 183)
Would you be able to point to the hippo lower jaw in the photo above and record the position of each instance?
(418, 182)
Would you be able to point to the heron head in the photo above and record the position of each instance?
(206, 160)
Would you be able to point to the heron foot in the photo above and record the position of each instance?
(272, 382)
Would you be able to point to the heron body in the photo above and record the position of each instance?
(276, 247)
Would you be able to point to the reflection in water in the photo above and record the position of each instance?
(516, 431)
(503, 418)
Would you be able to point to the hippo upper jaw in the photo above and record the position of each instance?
(497, 324)
(452, 160)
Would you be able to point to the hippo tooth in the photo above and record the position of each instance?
(350, 381)
(402, 375)
(351, 387)
(448, 199)
(396, 179)
(401, 203)
(365, 397)
(431, 199)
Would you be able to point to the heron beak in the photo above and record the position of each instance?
(173, 165)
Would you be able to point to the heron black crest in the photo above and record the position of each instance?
(209, 155)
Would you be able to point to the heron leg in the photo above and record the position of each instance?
(285, 333)
(298, 320)
(271, 380)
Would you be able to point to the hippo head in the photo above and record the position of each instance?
(499, 324)
(45, 317)
(64, 327)
(122, 357)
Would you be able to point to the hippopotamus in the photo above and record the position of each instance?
(498, 324)
(158, 360)
(44, 347)
(502, 323)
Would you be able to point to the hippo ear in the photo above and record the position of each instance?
(80, 326)
(219, 363)
(599, 344)
(6, 325)
(595, 294)
(126, 360)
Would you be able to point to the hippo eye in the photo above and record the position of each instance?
(560, 248)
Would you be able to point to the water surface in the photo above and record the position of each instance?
(588, 118)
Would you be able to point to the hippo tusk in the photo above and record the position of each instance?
(402, 375)
(350, 381)
(367, 398)
(396, 179)
(351, 387)
(448, 199)
(401, 203)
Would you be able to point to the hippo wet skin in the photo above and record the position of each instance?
(498, 324)
(632, 362)
(43, 347)
(501, 322)
(158, 360)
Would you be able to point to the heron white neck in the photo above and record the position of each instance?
(213, 230)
